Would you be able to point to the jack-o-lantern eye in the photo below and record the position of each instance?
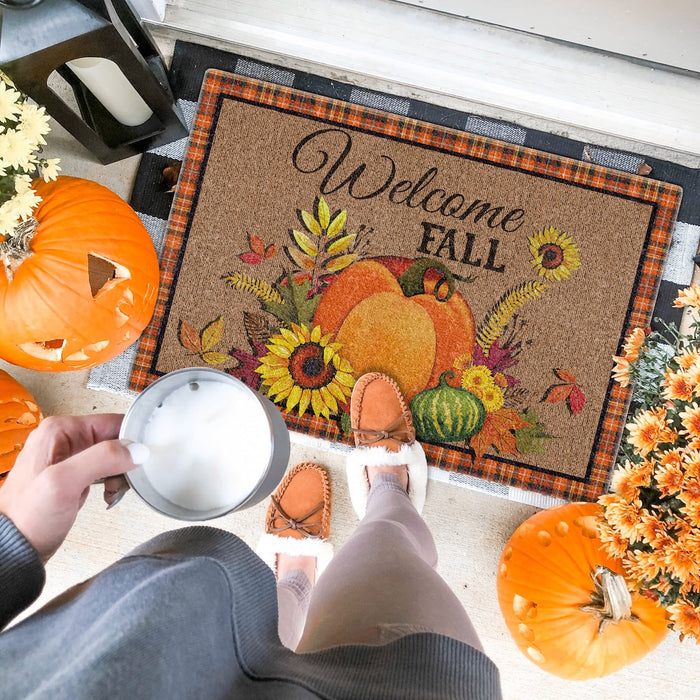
(103, 272)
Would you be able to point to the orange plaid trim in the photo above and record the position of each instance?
(665, 198)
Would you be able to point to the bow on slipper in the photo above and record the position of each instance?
(383, 428)
(300, 524)
(298, 518)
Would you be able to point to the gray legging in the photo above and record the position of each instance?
(380, 586)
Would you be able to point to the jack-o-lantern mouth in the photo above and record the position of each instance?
(303, 368)
(554, 254)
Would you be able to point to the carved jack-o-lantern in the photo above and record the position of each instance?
(81, 287)
(19, 415)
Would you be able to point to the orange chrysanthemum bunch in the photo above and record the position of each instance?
(651, 517)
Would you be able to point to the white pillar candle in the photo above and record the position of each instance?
(105, 80)
(210, 445)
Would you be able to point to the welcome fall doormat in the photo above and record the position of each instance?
(312, 240)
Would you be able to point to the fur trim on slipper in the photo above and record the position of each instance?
(269, 546)
(362, 457)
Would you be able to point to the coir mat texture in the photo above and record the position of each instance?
(312, 240)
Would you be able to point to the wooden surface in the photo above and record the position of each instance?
(419, 53)
(642, 29)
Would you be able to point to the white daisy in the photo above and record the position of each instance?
(8, 219)
(23, 203)
(34, 123)
(9, 102)
(15, 149)
(49, 168)
(22, 183)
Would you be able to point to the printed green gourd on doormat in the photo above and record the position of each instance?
(311, 241)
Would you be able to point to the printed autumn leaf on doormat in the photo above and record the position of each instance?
(312, 241)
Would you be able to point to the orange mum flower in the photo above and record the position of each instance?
(692, 511)
(692, 468)
(690, 541)
(625, 517)
(643, 473)
(675, 457)
(690, 418)
(688, 358)
(648, 430)
(693, 377)
(669, 479)
(626, 482)
(653, 532)
(613, 542)
(644, 566)
(691, 585)
(690, 493)
(634, 340)
(621, 371)
(688, 297)
(681, 527)
(609, 498)
(685, 618)
(679, 561)
(677, 387)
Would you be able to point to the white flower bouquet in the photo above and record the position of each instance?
(23, 126)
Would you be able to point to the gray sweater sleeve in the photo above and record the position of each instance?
(22, 574)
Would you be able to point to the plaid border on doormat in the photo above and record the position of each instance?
(189, 63)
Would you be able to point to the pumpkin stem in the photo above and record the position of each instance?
(413, 280)
(611, 600)
(443, 378)
(15, 248)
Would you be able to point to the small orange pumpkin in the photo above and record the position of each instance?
(565, 600)
(19, 415)
(84, 286)
(400, 317)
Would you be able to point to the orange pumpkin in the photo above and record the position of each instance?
(400, 317)
(85, 285)
(565, 600)
(19, 415)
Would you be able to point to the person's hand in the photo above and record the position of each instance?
(52, 475)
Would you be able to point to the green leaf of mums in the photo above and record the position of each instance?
(531, 439)
(298, 307)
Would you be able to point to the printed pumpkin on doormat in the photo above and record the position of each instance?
(312, 240)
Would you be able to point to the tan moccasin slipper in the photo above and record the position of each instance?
(384, 434)
(298, 519)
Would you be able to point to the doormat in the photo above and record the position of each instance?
(312, 240)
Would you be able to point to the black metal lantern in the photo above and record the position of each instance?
(101, 50)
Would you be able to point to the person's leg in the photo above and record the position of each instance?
(295, 546)
(293, 596)
(382, 584)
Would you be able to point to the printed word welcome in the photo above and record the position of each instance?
(368, 180)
